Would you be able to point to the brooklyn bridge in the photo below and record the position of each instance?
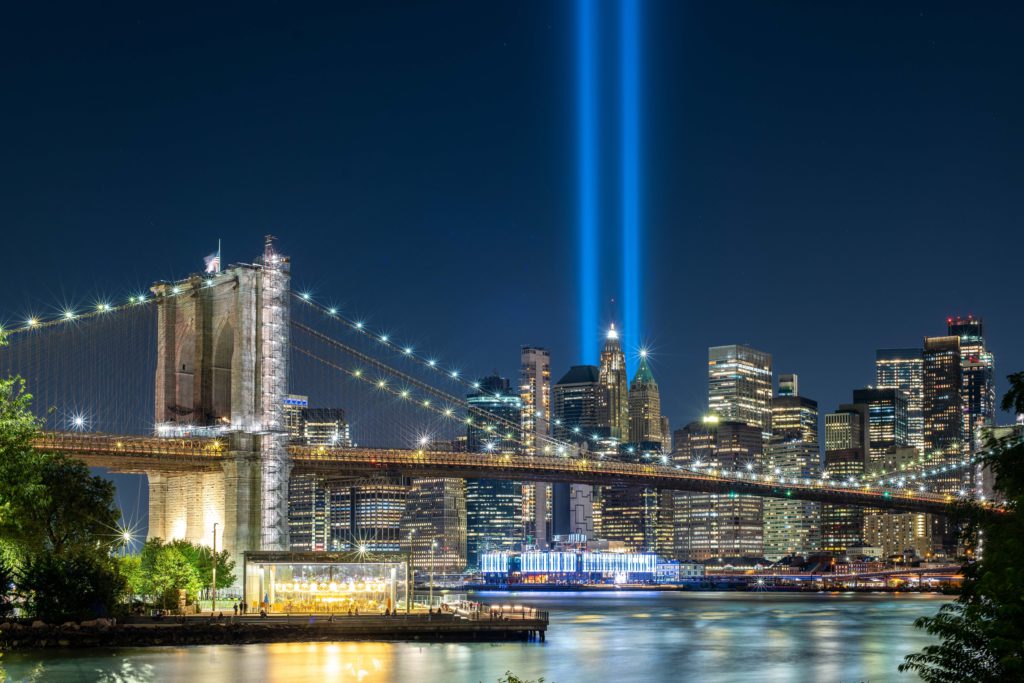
(186, 383)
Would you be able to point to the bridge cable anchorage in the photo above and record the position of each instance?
(423, 386)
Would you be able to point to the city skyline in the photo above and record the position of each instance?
(515, 194)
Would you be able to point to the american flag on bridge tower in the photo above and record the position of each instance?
(213, 261)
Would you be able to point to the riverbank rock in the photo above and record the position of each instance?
(38, 623)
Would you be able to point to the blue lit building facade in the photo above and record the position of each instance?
(573, 567)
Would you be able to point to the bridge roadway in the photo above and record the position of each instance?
(168, 455)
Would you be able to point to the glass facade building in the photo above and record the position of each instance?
(494, 507)
(903, 369)
(325, 582)
(740, 386)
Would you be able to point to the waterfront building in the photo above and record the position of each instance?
(612, 372)
(579, 415)
(535, 394)
(494, 507)
(581, 567)
(711, 525)
(740, 386)
(903, 369)
(325, 582)
(433, 528)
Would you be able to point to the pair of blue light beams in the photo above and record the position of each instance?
(629, 181)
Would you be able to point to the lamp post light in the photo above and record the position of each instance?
(214, 608)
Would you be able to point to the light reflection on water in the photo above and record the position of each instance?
(594, 637)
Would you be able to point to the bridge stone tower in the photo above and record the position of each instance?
(222, 368)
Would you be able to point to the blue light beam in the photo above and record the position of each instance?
(630, 180)
(586, 125)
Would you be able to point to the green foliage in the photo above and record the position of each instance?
(510, 677)
(130, 567)
(60, 588)
(6, 589)
(56, 522)
(201, 557)
(982, 633)
(164, 571)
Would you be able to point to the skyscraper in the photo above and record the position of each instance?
(977, 367)
(579, 412)
(847, 441)
(614, 380)
(740, 386)
(644, 409)
(903, 369)
(535, 393)
(434, 525)
(792, 527)
(944, 410)
(325, 427)
(717, 525)
(493, 506)
(888, 425)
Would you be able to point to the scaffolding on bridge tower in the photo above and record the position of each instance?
(275, 460)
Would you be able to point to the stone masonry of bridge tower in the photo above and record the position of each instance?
(222, 367)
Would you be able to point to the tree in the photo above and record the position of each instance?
(66, 587)
(982, 632)
(201, 558)
(48, 503)
(172, 573)
(6, 589)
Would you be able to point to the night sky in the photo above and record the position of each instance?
(817, 182)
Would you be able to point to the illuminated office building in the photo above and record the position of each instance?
(842, 527)
(898, 533)
(293, 407)
(494, 507)
(716, 525)
(944, 437)
(434, 525)
(978, 390)
(612, 372)
(309, 495)
(847, 443)
(792, 527)
(903, 369)
(888, 426)
(325, 427)
(579, 414)
(535, 394)
(644, 409)
(367, 514)
(740, 386)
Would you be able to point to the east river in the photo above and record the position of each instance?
(593, 637)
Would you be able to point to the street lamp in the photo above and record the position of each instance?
(214, 608)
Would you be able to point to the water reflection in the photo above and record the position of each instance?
(594, 637)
